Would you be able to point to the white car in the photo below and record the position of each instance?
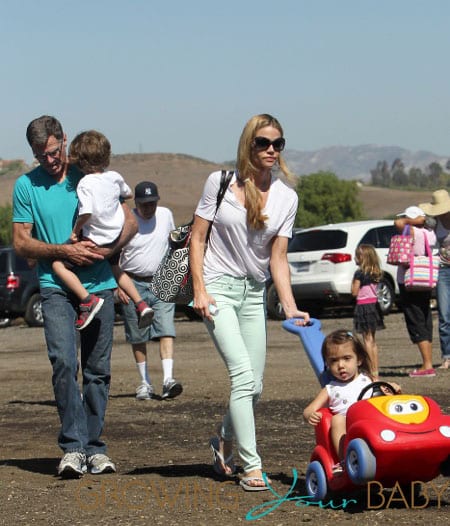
(322, 264)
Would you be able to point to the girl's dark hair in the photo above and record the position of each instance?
(342, 336)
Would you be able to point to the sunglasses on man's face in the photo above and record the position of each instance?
(263, 143)
(42, 157)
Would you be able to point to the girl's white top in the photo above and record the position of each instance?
(343, 394)
(235, 249)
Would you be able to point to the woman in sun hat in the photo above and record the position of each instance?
(440, 209)
(416, 303)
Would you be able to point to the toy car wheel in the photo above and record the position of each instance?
(316, 481)
(360, 462)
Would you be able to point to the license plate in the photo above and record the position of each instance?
(301, 266)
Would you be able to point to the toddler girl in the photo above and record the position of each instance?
(348, 361)
(368, 316)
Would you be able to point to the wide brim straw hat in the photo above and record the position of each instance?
(440, 204)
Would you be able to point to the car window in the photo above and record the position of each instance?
(22, 264)
(3, 262)
(384, 234)
(318, 240)
(370, 238)
(379, 237)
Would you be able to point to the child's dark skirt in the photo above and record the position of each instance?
(368, 317)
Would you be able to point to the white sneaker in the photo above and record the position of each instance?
(100, 463)
(72, 465)
(144, 391)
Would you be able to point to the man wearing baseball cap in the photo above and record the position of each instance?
(140, 259)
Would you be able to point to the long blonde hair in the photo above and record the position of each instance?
(247, 169)
(369, 262)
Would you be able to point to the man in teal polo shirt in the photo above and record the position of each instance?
(44, 210)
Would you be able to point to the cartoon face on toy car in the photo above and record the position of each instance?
(405, 409)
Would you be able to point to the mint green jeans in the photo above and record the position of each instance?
(239, 334)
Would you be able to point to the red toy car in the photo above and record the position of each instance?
(394, 439)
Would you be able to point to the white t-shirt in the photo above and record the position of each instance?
(344, 394)
(144, 252)
(98, 195)
(235, 249)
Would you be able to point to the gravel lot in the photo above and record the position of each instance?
(161, 448)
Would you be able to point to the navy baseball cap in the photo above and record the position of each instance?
(146, 192)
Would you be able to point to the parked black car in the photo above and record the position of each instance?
(19, 289)
(19, 292)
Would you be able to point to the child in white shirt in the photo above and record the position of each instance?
(100, 219)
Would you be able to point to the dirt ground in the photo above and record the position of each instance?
(161, 447)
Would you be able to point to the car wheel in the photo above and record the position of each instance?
(274, 308)
(316, 481)
(189, 312)
(5, 322)
(386, 296)
(360, 462)
(33, 312)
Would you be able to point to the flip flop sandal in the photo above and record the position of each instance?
(214, 444)
(244, 483)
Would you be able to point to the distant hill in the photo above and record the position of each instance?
(355, 162)
(180, 180)
(179, 177)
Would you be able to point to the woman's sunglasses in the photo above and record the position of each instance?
(262, 143)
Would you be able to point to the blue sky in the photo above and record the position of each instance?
(184, 76)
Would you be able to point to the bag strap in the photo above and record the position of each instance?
(225, 179)
(427, 246)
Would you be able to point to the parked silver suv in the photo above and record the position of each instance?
(322, 265)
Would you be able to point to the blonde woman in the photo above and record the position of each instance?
(249, 234)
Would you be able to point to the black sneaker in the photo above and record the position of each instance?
(171, 389)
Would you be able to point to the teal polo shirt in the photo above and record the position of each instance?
(51, 208)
